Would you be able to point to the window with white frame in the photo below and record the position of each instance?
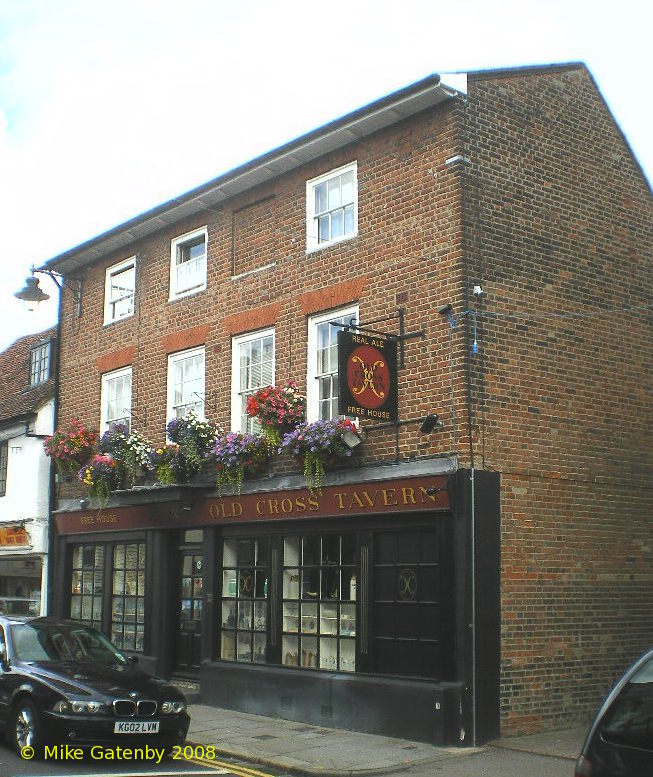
(332, 207)
(120, 290)
(116, 399)
(186, 383)
(252, 368)
(322, 374)
(188, 263)
(39, 363)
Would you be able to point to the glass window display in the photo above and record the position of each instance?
(244, 610)
(319, 602)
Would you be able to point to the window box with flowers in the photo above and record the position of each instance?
(320, 446)
(185, 456)
(238, 456)
(131, 452)
(278, 410)
(101, 476)
(71, 448)
(167, 464)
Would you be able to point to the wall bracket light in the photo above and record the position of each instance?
(351, 439)
(32, 294)
(431, 423)
(446, 311)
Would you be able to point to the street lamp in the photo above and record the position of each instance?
(32, 294)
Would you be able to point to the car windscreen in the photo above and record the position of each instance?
(62, 642)
(629, 720)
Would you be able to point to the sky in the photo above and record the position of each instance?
(108, 109)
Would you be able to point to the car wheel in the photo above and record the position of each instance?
(26, 727)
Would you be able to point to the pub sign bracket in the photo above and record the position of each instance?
(367, 369)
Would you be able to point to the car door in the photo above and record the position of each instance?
(5, 691)
(623, 741)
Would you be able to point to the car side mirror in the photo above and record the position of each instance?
(4, 661)
(133, 660)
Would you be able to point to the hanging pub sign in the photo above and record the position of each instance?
(367, 376)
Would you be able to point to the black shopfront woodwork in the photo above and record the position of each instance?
(188, 652)
(350, 619)
(365, 599)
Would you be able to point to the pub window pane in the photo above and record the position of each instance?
(243, 616)
(319, 602)
(87, 579)
(128, 596)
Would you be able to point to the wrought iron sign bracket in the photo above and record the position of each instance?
(399, 338)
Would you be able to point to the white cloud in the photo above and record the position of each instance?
(108, 109)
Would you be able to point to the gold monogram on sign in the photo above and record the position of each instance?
(246, 584)
(407, 585)
(369, 372)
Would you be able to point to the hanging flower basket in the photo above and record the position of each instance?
(238, 456)
(319, 445)
(278, 410)
(71, 448)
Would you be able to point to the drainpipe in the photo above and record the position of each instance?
(52, 501)
(470, 421)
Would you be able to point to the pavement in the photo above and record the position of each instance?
(314, 750)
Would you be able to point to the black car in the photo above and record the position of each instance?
(63, 682)
(620, 740)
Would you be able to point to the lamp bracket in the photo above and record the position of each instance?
(57, 277)
(75, 287)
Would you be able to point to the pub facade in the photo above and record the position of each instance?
(346, 607)
(434, 586)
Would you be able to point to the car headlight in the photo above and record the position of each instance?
(173, 707)
(78, 707)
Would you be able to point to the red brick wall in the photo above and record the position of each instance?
(407, 253)
(558, 220)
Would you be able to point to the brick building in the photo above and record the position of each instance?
(520, 530)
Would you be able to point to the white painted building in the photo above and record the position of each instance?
(27, 415)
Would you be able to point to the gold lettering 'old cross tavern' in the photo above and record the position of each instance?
(407, 495)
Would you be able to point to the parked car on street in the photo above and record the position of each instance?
(620, 740)
(63, 682)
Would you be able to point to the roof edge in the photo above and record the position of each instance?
(64, 262)
(525, 70)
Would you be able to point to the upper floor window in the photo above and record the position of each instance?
(332, 207)
(188, 263)
(116, 399)
(120, 290)
(4, 451)
(186, 383)
(252, 368)
(39, 363)
(322, 375)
